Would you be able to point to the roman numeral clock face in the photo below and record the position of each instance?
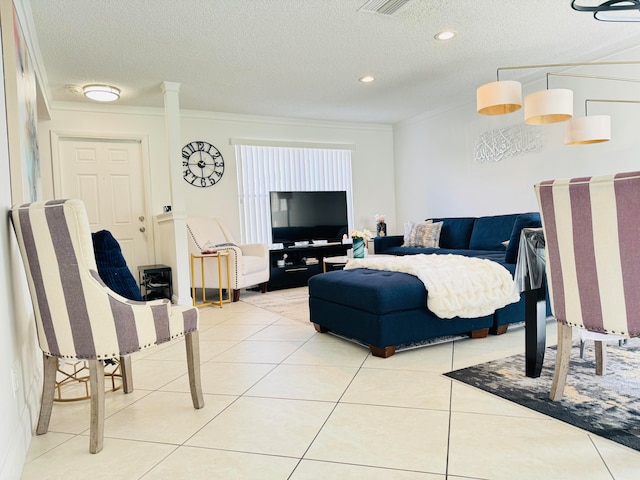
(202, 164)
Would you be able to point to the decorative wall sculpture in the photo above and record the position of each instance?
(496, 145)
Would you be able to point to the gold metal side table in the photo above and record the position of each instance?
(219, 255)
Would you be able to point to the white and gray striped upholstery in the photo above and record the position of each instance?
(592, 233)
(77, 315)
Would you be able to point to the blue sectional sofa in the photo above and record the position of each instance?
(387, 309)
(481, 237)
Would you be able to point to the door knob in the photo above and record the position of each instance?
(141, 218)
(142, 229)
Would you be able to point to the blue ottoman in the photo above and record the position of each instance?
(382, 310)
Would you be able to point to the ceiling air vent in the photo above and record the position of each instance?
(383, 7)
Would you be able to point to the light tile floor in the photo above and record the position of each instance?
(285, 402)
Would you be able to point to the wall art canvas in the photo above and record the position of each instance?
(27, 117)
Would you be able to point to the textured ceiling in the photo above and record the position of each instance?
(303, 58)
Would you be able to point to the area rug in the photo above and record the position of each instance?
(292, 303)
(608, 406)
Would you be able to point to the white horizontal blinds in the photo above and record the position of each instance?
(262, 169)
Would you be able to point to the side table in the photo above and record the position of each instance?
(335, 263)
(219, 255)
(339, 262)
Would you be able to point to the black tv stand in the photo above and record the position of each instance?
(301, 263)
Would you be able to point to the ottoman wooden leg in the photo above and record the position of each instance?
(499, 330)
(320, 328)
(482, 333)
(382, 352)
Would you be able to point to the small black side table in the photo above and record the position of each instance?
(530, 280)
(155, 282)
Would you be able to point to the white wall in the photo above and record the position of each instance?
(21, 372)
(436, 174)
(373, 172)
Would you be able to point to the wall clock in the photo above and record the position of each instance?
(202, 164)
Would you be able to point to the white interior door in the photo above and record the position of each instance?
(107, 176)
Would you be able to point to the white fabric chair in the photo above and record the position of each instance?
(249, 263)
(79, 317)
(592, 234)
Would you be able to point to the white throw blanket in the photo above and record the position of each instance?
(457, 286)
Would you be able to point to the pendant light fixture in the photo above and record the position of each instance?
(611, 10)
(591, 128)
(499, 98)
(548, 106)
(587, 130)
(551, 105)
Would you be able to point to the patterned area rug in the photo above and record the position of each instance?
(607, 405)
(292, 303)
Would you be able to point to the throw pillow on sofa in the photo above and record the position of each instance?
(422, 234)
(524, 220)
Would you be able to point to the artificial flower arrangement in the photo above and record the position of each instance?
(379, 217)
(360, 238)
(364, 234)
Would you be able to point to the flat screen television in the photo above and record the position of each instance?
(308, 216)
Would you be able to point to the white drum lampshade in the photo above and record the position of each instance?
(548, 106)
(587, 130)
(499, 98)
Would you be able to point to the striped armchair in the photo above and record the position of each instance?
(79, 317)
(592, 233)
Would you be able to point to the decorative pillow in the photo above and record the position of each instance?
(423, 234)
(228, 244)
(112, 266)
(408, 227)
(524, 220)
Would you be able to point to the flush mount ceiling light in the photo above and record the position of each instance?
(366, 79)
(611, 10)
(101, 93)
(445, 35)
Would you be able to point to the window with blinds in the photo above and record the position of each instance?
(262, 169)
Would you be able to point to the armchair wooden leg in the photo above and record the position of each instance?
(48, 392)
(601, 357)
(562, 361)
(263, 287)
(127, 373)
(236, 295)
(96, 383)
(192, 341)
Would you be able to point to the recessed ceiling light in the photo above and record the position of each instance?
(445, 35)
(101, 93)
(367, 79)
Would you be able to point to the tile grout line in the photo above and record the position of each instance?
(446, 466)
(329, 416)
